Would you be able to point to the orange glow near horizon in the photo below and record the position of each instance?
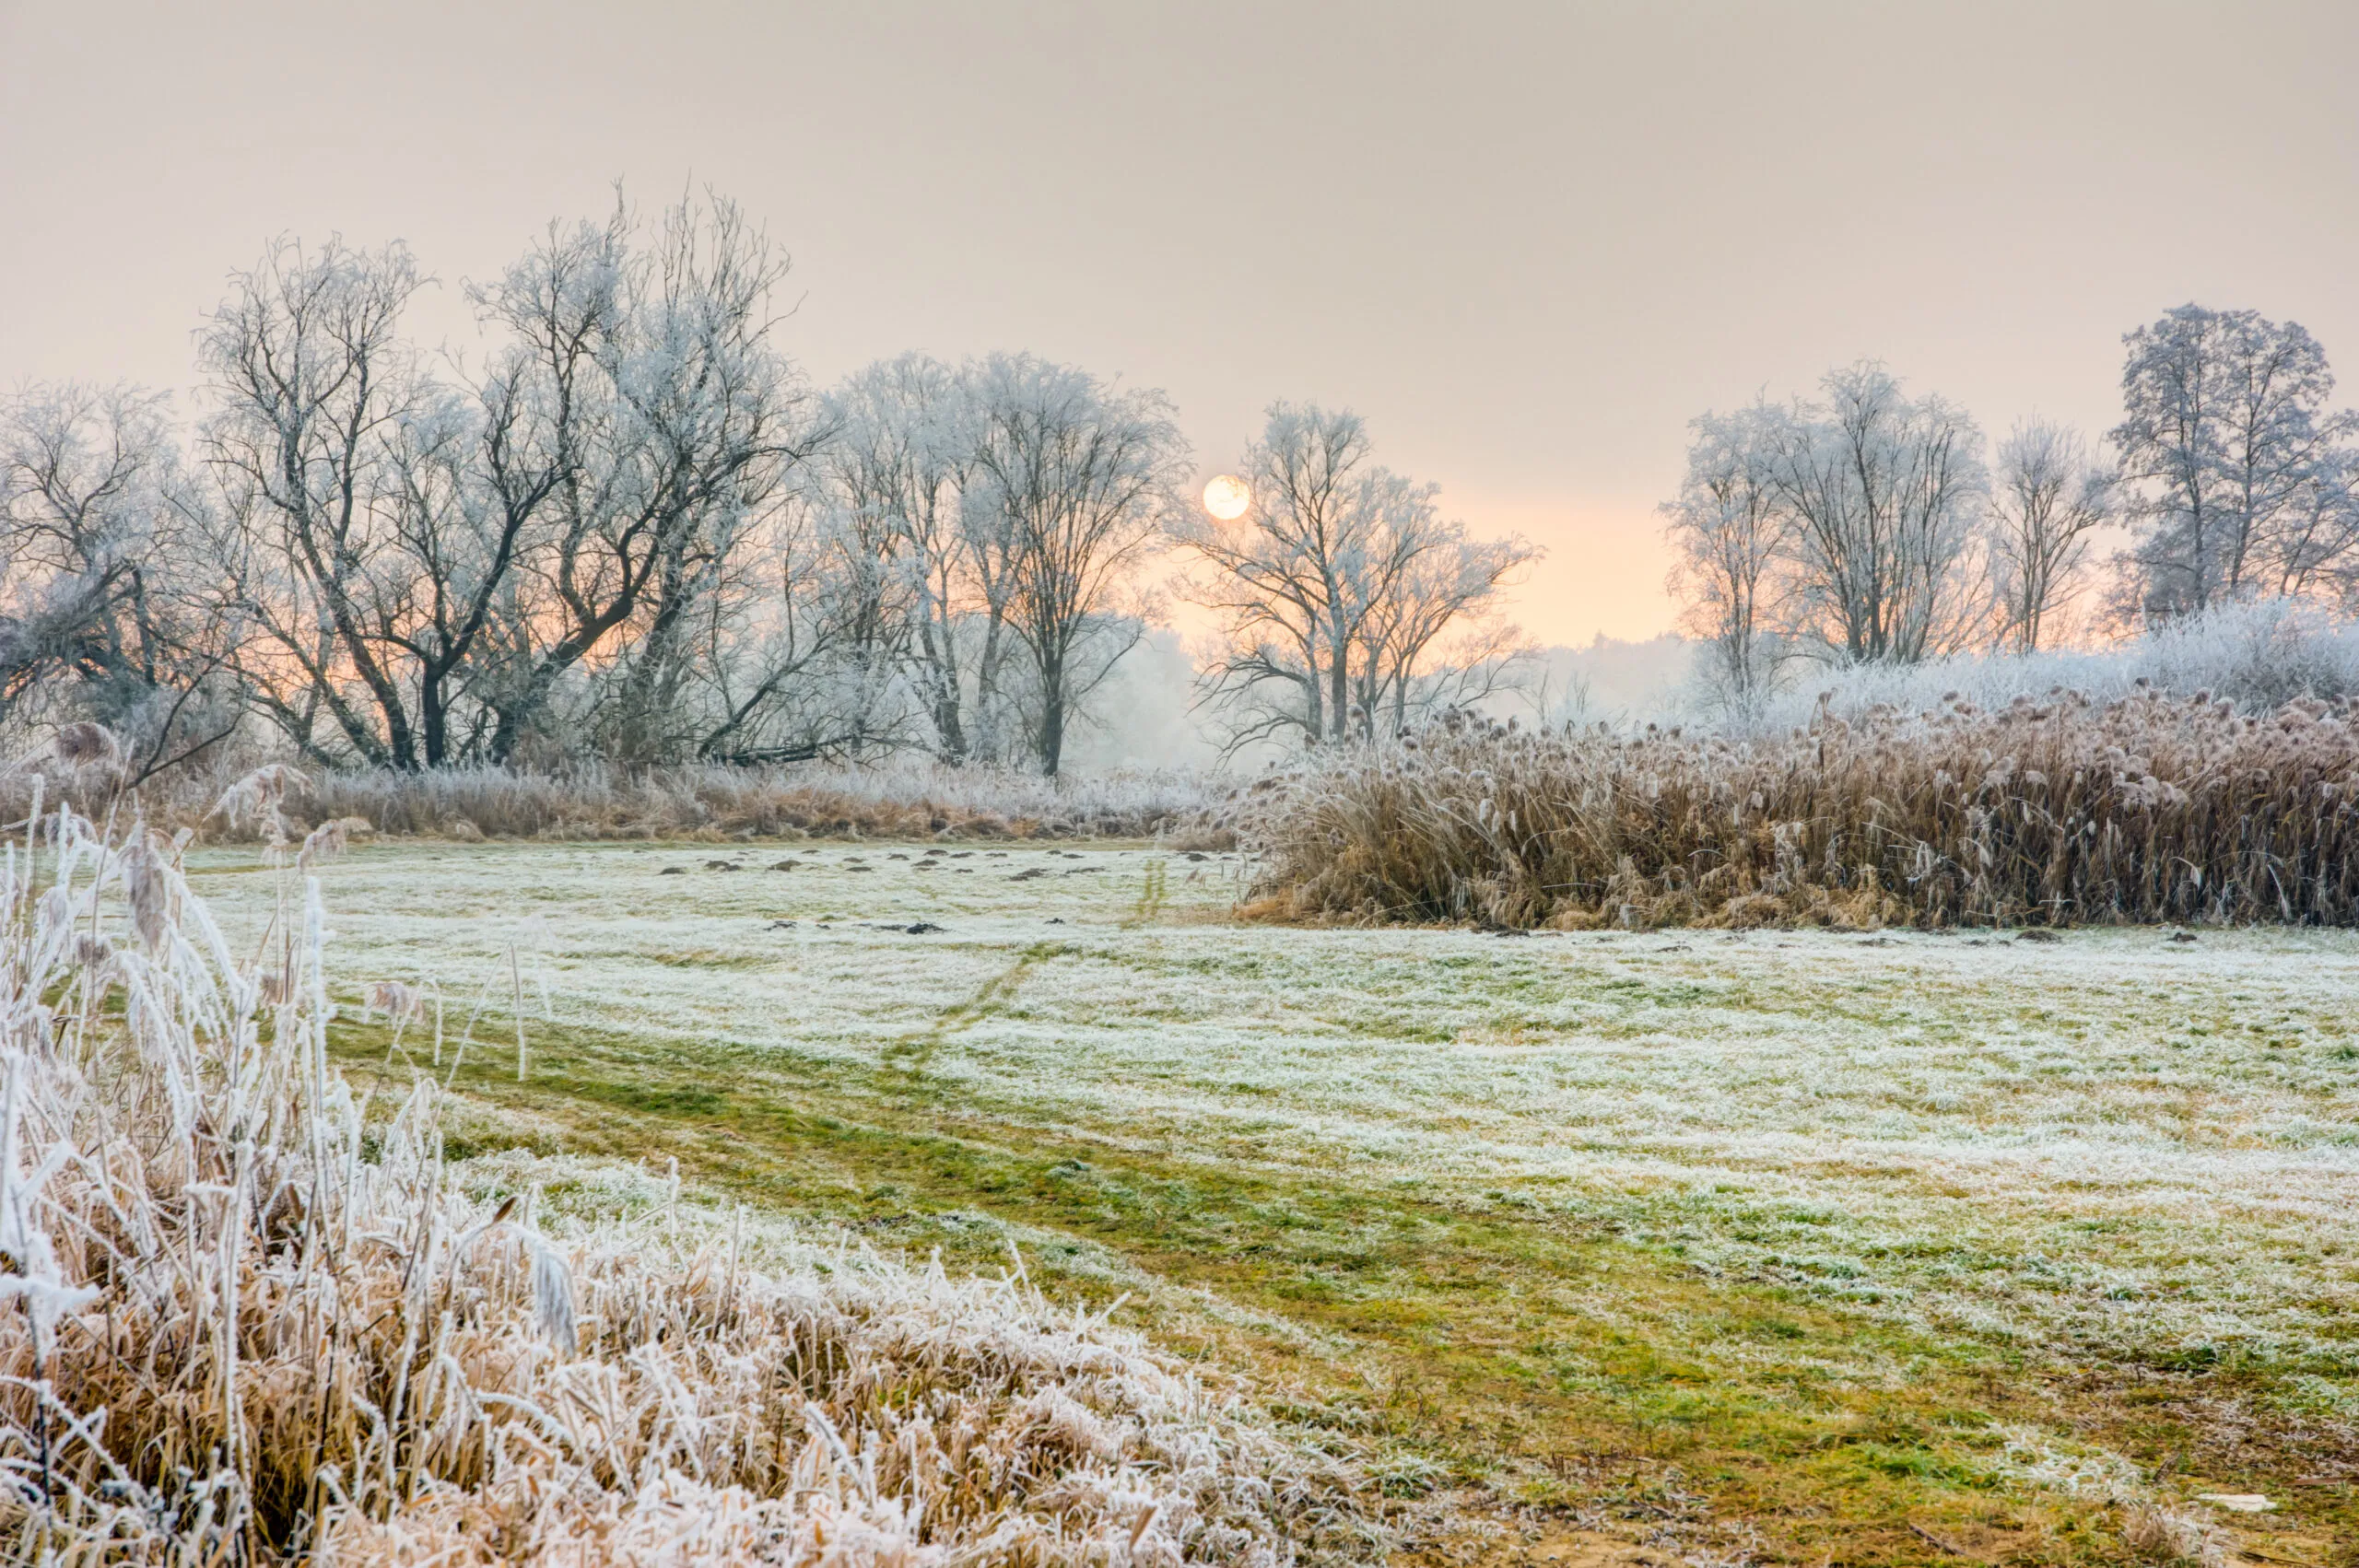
(1602, 573)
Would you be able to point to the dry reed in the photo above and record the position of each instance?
(907, 800)
(2155, 808)
(245, 1319)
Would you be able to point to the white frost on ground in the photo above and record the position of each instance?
(2115, 1143)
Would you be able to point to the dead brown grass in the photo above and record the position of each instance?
(2153, 809)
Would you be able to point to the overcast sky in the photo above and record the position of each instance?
(1527, 241)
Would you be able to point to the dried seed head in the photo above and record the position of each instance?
(147, 886)
(85, 744)
(552, 1295)
(395, 999)
(323, 844)
(263, 790)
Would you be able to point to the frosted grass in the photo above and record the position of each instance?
(2113, 1145)
(258, 1327)
(2257, 655)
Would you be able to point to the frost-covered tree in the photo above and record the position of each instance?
(621, 526)
(1848, 530)
(991, 518)
(2316, 546)
(311, 383)
(428, 569)
(1885, 497)
(1439, 581)
(1290, 578)
(1073, 480)
(784, 664)
(95, 572)
(2048, 499)
(677, 426)
(2233, 462)
(1336, 583)
(896, 463)
(1730, 533)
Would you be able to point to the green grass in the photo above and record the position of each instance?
(1664, 1235)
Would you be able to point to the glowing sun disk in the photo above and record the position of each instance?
(1227, 496)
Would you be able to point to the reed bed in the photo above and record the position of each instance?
(589, 801)
(2059, 811)
(246, 1316)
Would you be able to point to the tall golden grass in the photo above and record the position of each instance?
(246, 1316)
(2153, 808)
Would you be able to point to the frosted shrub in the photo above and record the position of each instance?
(2258, 656)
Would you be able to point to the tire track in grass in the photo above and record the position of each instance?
(913, 1051)
(1154, 896)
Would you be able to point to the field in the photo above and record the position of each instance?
(1611, 1247)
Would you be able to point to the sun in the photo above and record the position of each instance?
(1227, 496)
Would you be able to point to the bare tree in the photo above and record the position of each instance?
(94, 564)
(1885, 496)
(786, 665)
(467, 516)
(1732, 533)
(673, 424)
(311, 379)
(2316, 543)
(1337, 583)
(612, 535)
(897, 466)
(1438, 579)
(987, 546)
(2048, 502)
(1279, 573)
(79, 470)
(1081, 477)
(2231, 458)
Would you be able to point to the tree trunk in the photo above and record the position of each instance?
(1051, 742)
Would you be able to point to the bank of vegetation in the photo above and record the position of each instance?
(2046, 812)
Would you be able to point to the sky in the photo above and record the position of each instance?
(1527, 241)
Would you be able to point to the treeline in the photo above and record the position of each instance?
(627, 527)
(1870, 526)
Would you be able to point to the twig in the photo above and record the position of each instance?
(1950, 1547)
(516, 979)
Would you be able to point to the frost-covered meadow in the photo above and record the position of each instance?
(2097, 1195)
(257, 1316)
